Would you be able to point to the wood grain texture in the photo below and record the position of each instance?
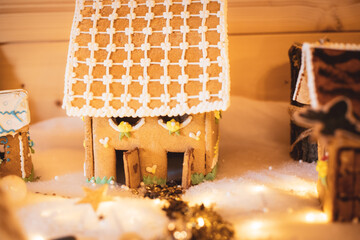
(45, 20)
(35, 34)
(259, 68)
(38, 68)
(259, 65)
(286, 16)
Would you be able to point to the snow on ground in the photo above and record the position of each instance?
(259, 188)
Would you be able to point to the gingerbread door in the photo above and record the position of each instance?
(132, 168)
(347, 201)
(187, 168)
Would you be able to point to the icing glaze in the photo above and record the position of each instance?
(14, 111)
(104, 142)
(152, 169)
(172, 126)
(195, 136)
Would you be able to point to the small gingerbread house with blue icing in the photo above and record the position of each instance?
(15, 151)
(149, 78)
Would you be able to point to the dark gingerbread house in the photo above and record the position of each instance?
(329, 80)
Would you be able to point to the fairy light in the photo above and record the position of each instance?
(258, 188)
(252, 229)
(256, 225)
(157, 201)
(306, 189)
(318, 217)
(37, 237)
(310, 217)
(180, 235)
(200, 222)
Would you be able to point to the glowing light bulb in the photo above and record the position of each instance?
(256, 225)
(310, 217)
(259, 188)
(200, 222)
(37, 237)
(316, 217)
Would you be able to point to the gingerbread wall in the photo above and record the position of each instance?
(13, 166)
(153, 142)
(339, 197)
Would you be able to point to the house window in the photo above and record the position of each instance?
(130, 120)
(178, 118)
(175, 167)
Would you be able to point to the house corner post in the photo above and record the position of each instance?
(89, 149)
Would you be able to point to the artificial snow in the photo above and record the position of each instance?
(259, 189)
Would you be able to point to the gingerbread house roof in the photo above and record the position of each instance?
(327, 71)
(14, 111)
(147, 58)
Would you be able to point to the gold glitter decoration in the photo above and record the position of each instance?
(188, 223)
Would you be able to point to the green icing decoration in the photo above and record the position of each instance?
(211, 175)
(99, 180)
(31, 177)
(197, 178)
(323, 181)
(148, 180)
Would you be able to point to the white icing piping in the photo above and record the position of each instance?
(22, 159)
(69, 67)
(300, 75)
(182, 125)
(310, 74)
(181, 108)
(339, 46)
(225, 91)
(215, 161)
(204, 61)
(136, 127)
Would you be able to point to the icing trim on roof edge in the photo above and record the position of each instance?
(109, 111)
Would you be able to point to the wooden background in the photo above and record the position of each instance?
(34, 39)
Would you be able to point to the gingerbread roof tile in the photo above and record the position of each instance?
(147, 58)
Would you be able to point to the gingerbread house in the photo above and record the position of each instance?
(329, 80)
(15, 152)
(149, 78)
(302, 147)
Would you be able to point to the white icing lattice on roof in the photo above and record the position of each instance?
(147, 58)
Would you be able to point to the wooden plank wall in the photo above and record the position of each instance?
(34, 37)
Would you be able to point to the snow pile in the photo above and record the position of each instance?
(64, 217)
(259, 188)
